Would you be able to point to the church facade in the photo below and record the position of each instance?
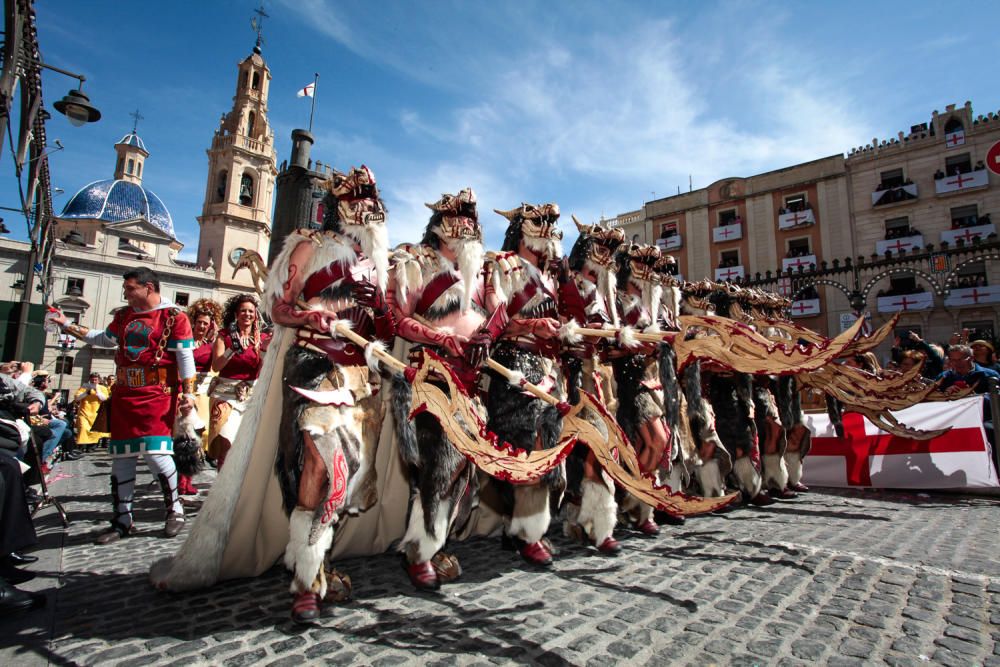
(115, 223)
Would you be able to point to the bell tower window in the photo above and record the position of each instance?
(131, 167)
(251, 121)
(256, 81)
(246, 190)
(220, 190)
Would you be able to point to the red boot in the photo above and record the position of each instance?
(610, 547)
(423, 576)
(305, 607)
(649, 527)
(536, 553)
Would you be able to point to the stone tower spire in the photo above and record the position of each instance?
(242, 166)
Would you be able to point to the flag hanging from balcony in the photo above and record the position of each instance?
(869, 457)
(308, 91)
(953, 139)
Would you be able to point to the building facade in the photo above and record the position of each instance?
(898, 225)
(112, 224)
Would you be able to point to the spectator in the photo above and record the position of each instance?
(26, 370)
(16, 533)
(983, 353)
(88, 401)
(58, 427)
(963, 371)
(938, 175)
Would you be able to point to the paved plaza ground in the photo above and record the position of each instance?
(833, 577)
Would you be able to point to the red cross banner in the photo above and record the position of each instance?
(954, 139)
(967, 234)
(905, 302)
(868, 457)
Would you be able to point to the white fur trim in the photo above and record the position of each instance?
(568, 333)
(598, 510)
(370, 351)
(531, 513)
(710, 479)
(775, 472)
(793, 464)
(626, 337)
(196, 564)
(305, 560)
(416, 531)
(187, 426)
(747, 476)
(516, 378)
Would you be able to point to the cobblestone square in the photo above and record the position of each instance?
(833, 577)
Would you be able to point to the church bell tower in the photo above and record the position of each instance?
(242, 167)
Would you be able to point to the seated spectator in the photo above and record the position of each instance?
(18, 534)
(57, 426)
(938, 175)
(963, 371)
(26, 370)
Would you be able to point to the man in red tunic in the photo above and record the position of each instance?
(154, 364)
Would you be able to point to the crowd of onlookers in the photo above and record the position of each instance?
(902, 291)
(37, 430)
(900, 233)
(970, 221)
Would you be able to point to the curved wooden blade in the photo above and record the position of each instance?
(739, 348)
(619, 460)
(886, 421)
(468, 433)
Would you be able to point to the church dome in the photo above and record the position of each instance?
(117, 201)
(132, 139)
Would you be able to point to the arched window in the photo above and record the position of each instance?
(246, 190)
(131, 167)
(251, 121)
(256, 81)
(138, 169)
(220, 189)
(121, 165)
(243, 79)
(953, 125)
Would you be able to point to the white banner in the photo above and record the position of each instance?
(904, 244)
(729, 273)
(868, 457)
(796, 219)
(905, 302)
(805, 308)
(971, 296)
(727, 233)
(961, 182)
(793, 263)
(954, 139)
(968, 233)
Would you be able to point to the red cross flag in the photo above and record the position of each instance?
(954, 139)
(308, 91)
(869, 457)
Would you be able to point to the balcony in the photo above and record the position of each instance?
(961, 182)
(795, 219)
(900, 245)
(806, 262)
(895, 195)
(973, 296)
(805, 308)
(674, 242)
(729, 273)
(727, 233)
(905, 302)
(967, 234)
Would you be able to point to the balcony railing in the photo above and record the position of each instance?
(967, 234)
(795, 219)
(973, 296)
(805, 308)
(238, 140)
(670, 243)
(895, 195)
(727, 233)
(962, 182)
(729, 273)
(905, 302)
(900, 245)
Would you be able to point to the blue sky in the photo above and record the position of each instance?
(594, 105)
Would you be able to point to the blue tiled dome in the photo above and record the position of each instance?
(117, 201)
(132, 139)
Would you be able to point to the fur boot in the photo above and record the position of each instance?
(598, 510)
(306, 552)
(710, 479)
(747, 477)
(775, 472)
(425, 538)
(531, 516)
(793, 463)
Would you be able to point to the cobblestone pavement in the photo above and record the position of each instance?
(838, 578)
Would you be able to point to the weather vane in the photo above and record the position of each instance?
(136, 117)
(257, 23)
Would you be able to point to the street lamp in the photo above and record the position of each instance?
(75, 105)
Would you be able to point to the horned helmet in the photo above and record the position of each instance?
(597, 245)
(358, 203)
(454, 217)
(537, 226)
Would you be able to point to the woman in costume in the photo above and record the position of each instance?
(237, 356)
(206, 319)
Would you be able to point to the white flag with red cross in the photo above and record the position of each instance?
(308, 91)
(869, 457)
(954, 139)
